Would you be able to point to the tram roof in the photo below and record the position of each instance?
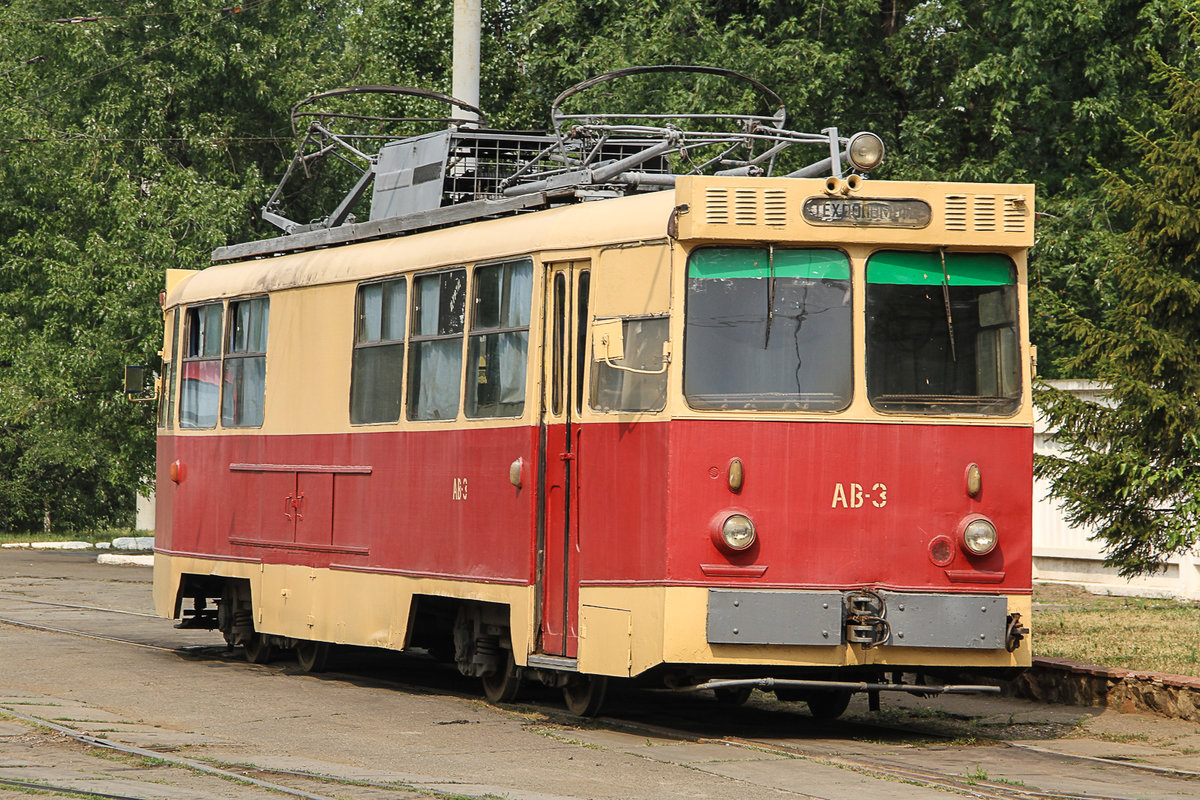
(563, 228)
(964, 216)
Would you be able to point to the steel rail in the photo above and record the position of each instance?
(5, 596)
(98, 636)
(179, 761)
(73, 791)
(985, 790)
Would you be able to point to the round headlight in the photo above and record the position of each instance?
(865, 151)
(737, 532)
(979, 536)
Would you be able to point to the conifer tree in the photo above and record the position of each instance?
(1131, 465)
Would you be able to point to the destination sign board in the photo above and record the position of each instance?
(867, 212)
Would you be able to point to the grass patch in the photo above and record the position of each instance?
(93, 536)
(1137, 633)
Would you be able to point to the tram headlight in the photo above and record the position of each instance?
(737, 532)
(865, 151)
(979, 536)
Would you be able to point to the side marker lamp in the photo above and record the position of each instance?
(974, 480)
(736, 475)
(979, 536)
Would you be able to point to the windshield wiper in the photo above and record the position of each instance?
(770, 294)
(946, 300)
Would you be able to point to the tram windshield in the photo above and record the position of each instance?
(942, 333)
(768, 328)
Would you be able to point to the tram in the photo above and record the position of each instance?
(585, 405)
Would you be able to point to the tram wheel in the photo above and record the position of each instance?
(733, 695)
(584, 694)
(503, 685)
(258, 650)
(312, 656)
(828, 705)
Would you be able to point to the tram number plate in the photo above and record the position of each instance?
(867, 212)
(855, 495)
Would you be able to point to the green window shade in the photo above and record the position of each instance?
(743, 262)
(925, 269)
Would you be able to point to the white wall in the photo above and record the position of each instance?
(145, 513)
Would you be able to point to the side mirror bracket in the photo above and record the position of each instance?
(135, 385)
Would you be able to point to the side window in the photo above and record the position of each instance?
(638, 381)
(435, 345)
(200, 375)
(378, 369)
(245, 370)
(497, 353)
(166, 403)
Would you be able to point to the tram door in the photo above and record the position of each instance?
(563, 362)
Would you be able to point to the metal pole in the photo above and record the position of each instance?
(465, 78)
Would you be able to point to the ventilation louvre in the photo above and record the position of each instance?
(1014, 214)
(716, 206)
(745, 207)
(775, 207)
(985, 212)
(956, 212)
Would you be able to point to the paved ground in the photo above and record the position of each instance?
(420, 730)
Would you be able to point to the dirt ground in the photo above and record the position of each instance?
(384, 725)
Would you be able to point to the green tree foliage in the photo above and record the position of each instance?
(1011, 91)
(1131, 466)
(139, 140)
(129, 145)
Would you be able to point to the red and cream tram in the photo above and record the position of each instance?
(613, 421)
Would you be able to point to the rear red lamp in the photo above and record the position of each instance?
(941, 551)
(176, 471)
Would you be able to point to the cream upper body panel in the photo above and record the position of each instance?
(908, 213)
(571, 227)
(729, 209)
(638, 271)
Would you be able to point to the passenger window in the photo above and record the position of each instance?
(245, 369)
(498, 349)
(200, 377)
(166, 403)
(435, 346)
(581, 332)
(378, 369)
(638, 381)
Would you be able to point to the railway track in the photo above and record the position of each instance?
(313, 786)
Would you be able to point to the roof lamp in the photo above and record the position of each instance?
(865, 151)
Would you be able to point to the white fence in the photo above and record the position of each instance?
(1062, 554)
